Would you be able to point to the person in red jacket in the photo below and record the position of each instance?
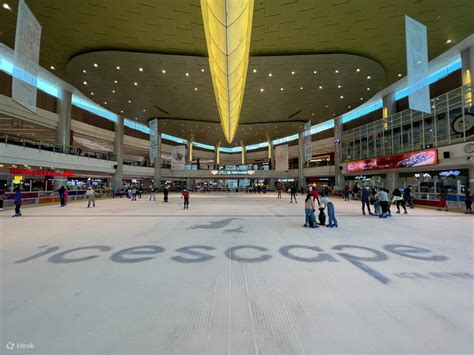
(315, 194)
(185, 195)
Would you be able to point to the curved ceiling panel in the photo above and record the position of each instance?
(178, 90)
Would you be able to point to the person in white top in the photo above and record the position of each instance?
(90, 194)
(325, 201)
(152, 192)
(382, 196)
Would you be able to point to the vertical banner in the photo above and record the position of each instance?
(178, 157)
(281, 153)
(308, 144)
(153, 124)
(26, 57)
(417, 65)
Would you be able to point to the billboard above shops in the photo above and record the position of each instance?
(407, 160)
(16, 171)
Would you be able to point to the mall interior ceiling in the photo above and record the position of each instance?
(309, 59)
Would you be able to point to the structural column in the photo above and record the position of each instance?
(471, 178)
(339, 178)
(391, 181)
(63, 129)
(217, 156)
(301, 161)
(118, 152)
(467, 60)
(244, 154)
(389, 105)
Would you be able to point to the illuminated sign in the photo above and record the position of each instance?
(66, 173)
(407, 160)
(450, 173)
(233, 172)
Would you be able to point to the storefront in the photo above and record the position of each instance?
(321, 183)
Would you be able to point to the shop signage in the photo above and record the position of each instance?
(450, 173)
(408, 160)
(16, 171)
(233, 172)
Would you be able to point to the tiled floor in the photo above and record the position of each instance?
(234, 274)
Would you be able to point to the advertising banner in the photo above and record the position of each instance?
(281, 158)
(178, 157)
(153, 124)
(308, 144)
(26, 56)
(417, 65)
(407, 160)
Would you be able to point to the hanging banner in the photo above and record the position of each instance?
(153, 124)
(26, 57)
(417, 65)
(178, 157)
(281, 158)
(308, 144)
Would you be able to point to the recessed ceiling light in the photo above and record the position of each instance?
(144, 110)
(115, 81)
(129, 101)
(52, 67)
(341, 97)
(336, 71)
(361, 98)
(320, 87)
(187, 74)
(118, 68)
(195, 89)
(339, 86)
(349, 106)
(315, 72)
(301, 88)
(84, 71)
(292, 73)
(255, 70)
(312, 114)
(135, 83)
(368, 89)
(140, 69)
(121, 111)
(105, 102)
(369, 77)
(136, 118)
(327, 106)
(84, 82)
(333, 114)
(357, 70)
(163, 71)
(113, 91)
(399, 75)
(281, 89)
(95, 65)
(270, 75)
(7, 7)
(262, 90)
(92, 93)
(202, 70)
(448, 41)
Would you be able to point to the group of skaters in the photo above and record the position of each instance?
(184, 195)
(323, 203)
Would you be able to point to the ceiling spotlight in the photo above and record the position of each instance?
(262, 90)
(135, 83)
(113, 91)
(327, 106)
(341, 97)
(399, 75)
(121, 111)
(270, 75)
(7, 7)
(95, 65)
(84, 71)
(202, 70)
(195, 89)
(301, 88)
(115, 81)
(361, 99)
(339, 86)
(349, 106)
(357, 70)
(315, 72)
(368, 89)
(105, 102)
(118, 68)
(336, 71)
(281, 89)
(140, 69)
(312, 114)
(84, 82)
(187, 74)
(129, 101)
(448, 41)
(292, 73)
(163, 71)
(92, 94)
(52, 67)
(320, 87)
(144, 110)
(255, 70)
(369, 77)
(333, 114)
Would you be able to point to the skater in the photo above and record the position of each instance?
(315, 194)
(293, 192)
(326, 202)
(17, 202)
(365, 198)
(165, 194)
(279, 188)
(2, 197)
(346, 192)
(399, 200)
(185, 195)
(134, 193)
(62, 196)
(383, 199)
(443, 204)
(468, 201)
(152, 192)
(310, 220)
(90, 194)
(408, 196)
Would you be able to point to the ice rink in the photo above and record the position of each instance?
(234, 274)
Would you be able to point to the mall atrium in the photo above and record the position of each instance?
(236, 177)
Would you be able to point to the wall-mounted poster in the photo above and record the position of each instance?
(407, 160)
(178, 157)
(281, 157)
(153, 124)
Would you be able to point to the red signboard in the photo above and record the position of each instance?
(407, 160)
(16, 171)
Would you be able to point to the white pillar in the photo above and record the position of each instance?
(471, 178)
(339, 178)
(157, 165)
(118, 152)
(467, 60)
(63, 129)
(389, 105)
(301, 161)
(391, 180)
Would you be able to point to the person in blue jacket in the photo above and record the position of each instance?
(62, 195)
(17, 202)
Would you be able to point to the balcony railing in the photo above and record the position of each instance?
(451, 122)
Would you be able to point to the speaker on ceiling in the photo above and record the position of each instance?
(446, 155)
